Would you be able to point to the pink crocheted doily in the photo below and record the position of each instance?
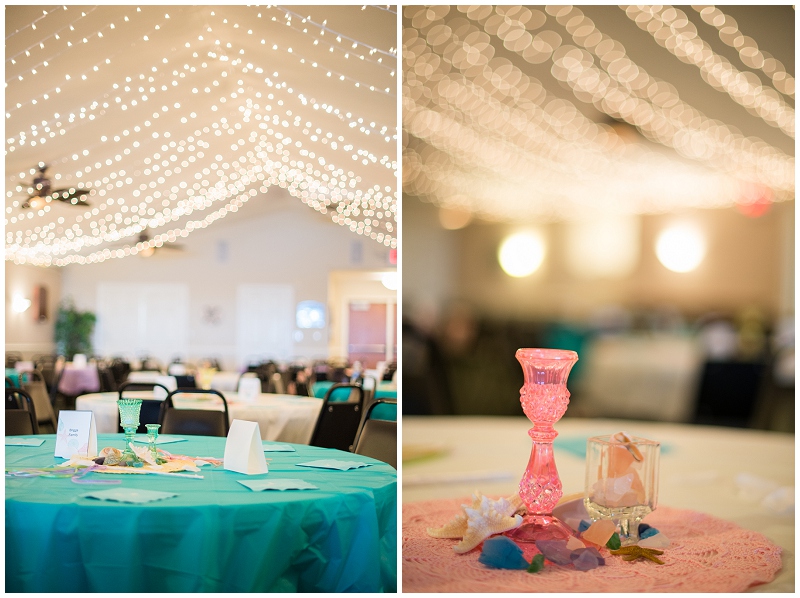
(706, 555)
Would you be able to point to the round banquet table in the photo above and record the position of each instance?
(283, 418)
(215, 536)
(702, 468)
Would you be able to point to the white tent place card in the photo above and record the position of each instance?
(249, 388)
(76, 434)
(244, 452)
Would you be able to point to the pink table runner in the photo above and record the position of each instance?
(706, 555)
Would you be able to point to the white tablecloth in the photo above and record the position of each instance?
(701, 467)
(283, 418)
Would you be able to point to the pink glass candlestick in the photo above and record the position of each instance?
(544, 397)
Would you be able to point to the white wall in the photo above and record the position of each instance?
(274, 239)
(23, 332)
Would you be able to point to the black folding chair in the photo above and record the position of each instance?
(12, 357)
(194, 422)
(338, 421)
(377, 438)
(186, 381)
(151, 408)
(20, 413)
(34, 384)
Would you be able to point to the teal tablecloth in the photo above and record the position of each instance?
(215, 536)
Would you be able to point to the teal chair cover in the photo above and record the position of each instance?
(13, 374)
(338, 395)
(384, 411)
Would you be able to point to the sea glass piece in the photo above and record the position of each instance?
(584, 525)
(574, 544)
(620, 460)
(586, 559)
(614, 542)
(537, 564)
(501, 552)
(647, 532)
(555, 551)
(599, 532)
(656, 541)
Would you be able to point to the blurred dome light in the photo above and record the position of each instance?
(389, 280)
(521, 254)
(681, 248)
(454, 218)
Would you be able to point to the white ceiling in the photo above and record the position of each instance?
(175, 116)
(499, 124)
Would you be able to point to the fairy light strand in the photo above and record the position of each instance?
(32, 24)
(748, 50)
(625, 90)
(670, 28)
(81, 76)
(324, 27)
(56, 35)
(99, 34)
(347, 206)
(460, 165)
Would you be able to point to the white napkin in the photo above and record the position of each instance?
(335, 464)
(270, 447)
(258, 485)
(14, 441)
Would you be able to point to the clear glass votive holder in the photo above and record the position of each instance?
(621, 481)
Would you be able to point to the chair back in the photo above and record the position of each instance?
(338, 421)
(384, 409)
(12, 357)
(151, 408)
(194, 422)
(338, 393)
(34, 384)
(20, 413)
(185, 381)
(107, 381)
(378, 440)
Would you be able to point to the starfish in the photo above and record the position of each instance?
(631, 553)
(480, 520)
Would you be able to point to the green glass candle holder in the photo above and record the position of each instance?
(129, 410)
(152, 435)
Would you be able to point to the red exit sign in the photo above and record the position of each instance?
(393, 256)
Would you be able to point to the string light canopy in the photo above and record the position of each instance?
(542, 113)
(174, 117)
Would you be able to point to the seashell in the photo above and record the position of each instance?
(113, 456)
(625, 439)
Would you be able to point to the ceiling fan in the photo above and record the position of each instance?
(40, 191)
(144, 237)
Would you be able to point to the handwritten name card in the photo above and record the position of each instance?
(76, 434)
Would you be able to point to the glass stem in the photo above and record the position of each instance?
(629, 531)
